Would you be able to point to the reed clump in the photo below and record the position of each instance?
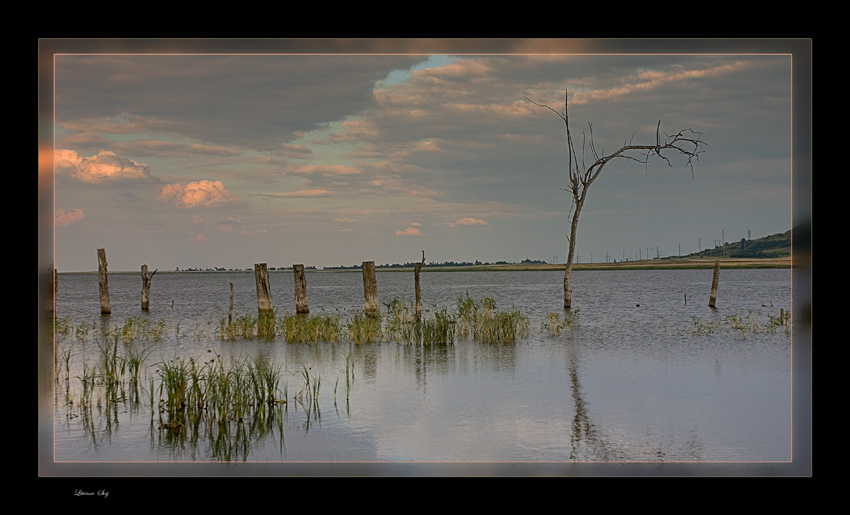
(401, 321)
(439, 328)
(222, 390)
(302, 328)
(487, 324)
(555, 323)
(743, 324)
(364, 329)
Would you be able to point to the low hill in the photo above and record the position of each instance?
(774, 246)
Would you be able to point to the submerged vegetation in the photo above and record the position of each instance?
(228, 402)
(400, 323)
(754, 322)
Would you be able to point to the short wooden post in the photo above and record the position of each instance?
(301, 305)
(105, 309)
(230, 311)
(146, 287)
(714, 281)
(370, 289)
(264, 290)
(416, 271)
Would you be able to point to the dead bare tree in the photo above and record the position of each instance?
(686, 142)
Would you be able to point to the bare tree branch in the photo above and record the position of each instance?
(686, 142)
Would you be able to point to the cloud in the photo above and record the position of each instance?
(66, 218)
(326, 169)
(410, 231)
(301, 193)
(651, 79)
(468, 221)
(197, 194)
(104, 166)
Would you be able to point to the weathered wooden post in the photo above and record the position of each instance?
(264, 290)
(370, 289)
(105, 309)
(146, 287)
(230, 311)
(714, 284)
(301, 305)
(416, 284)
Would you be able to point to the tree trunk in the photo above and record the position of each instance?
(568, 291)
(416, 285)
(105, 309)
(370, 289)
(264, 291)
(230, 311)
(301, 305)
(714, 280)
(146, 287)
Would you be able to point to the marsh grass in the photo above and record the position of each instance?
(487, 324)
(400, 322)
(751, 323)
(438, 328)
(302, 328)
(234, 390)
(364, 329)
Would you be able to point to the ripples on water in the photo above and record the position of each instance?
(634, 380)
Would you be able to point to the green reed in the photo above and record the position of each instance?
(364, 329)
(303, 328)
(466, 314)
(439, 328)
(555, 323)
(401, 322)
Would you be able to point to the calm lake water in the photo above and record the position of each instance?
(648, 373)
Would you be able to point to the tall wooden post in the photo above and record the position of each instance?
(105, 309)
(264, 290)
(230, 311)
(301, 305)
(370, 289)
(146, 287)
(714, 281)
(416, 285)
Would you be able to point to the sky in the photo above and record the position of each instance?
(222, 157)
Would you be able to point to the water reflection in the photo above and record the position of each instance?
(626, 384)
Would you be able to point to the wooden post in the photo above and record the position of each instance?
(301, 305)
(370, 289)
(264, 290)
(146, 287)
(714, 284)
(416, 285)
(230, 312)
(105, 309)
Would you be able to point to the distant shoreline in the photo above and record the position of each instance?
(646, 264)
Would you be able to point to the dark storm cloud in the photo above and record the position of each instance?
(257, 102)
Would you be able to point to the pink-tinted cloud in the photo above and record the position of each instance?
(197, 194)
(66, 218)
(468, 221)
(301, 193)
(103, 166)
(410, 231)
